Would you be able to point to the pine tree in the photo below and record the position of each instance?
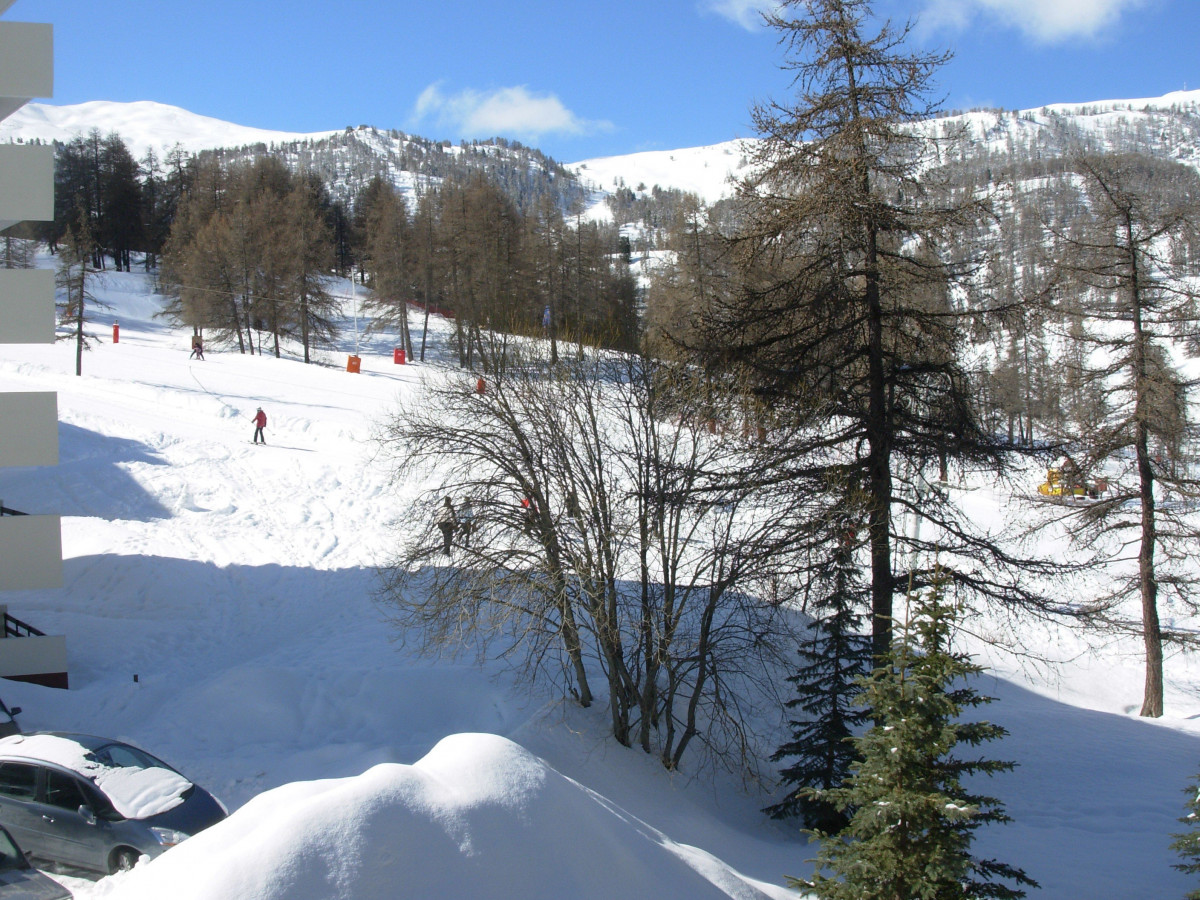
(827, 683)
(913, 818)
(1187, 844)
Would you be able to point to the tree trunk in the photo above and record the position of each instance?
(1152, 699)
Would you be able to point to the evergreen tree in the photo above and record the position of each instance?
(913, 817)
(827, 683)
(1187, 844)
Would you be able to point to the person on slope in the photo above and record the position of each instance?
(466, 521)
(447, 521)
(260, 422)
(197, 348)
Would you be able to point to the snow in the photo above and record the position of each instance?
(135, 793)
(220, 613)
(707, 172)
(467, 820)
(143, 124)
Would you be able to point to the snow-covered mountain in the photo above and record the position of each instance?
(706, 172)
(143, 125)
(1167, 126)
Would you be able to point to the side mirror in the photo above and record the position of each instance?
(88, 815)
(15, 711)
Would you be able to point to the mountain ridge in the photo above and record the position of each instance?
(148, 124)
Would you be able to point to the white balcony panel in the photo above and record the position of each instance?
(41, 660)
(29, 429)
(26, 306)
(26, 62)
(26, 184)
(33, 655)
(30, 552)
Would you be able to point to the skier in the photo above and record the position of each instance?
(466, 521)
(447, 521)
(529, 518)
(260, 422)
(197, 348)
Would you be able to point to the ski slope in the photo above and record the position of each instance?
(219, 610)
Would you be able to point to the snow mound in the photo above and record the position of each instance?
(479, 816)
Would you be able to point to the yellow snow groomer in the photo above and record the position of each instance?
(1064, 479)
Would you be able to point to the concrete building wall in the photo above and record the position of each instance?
(30, 545)
(26, 63)
(26, 306)
(30, 553)
(34, 440)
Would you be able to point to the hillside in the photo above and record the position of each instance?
(1167, 126)
(237, 582)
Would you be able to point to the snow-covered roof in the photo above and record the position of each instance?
(135, 793)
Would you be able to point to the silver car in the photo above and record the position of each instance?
(21, 881)
(90, 803)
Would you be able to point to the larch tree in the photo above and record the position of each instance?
(846, 320)
(388, 256)
(75, 300)
(1135, 310)
(312, 256)
(250, 251)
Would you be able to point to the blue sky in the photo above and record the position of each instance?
(579, 78)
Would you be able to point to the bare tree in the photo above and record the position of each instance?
(602, 546)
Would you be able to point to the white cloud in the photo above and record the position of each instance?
(747, 13)
(511, 111)
(1046, 21)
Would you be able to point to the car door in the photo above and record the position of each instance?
(19, 807)
(70, 837)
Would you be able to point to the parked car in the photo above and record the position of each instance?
(85, 802)
(8, 719)
(21, 881)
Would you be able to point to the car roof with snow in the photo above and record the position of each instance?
(138, 784)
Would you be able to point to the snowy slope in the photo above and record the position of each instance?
(143, 125)
(707, 172)
(236, 583)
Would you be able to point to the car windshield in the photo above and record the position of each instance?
(123, 756)
(10, 856)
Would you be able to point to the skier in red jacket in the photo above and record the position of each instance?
(260, 422)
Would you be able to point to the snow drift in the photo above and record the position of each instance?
(477, 817)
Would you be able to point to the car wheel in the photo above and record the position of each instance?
(123, 860)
